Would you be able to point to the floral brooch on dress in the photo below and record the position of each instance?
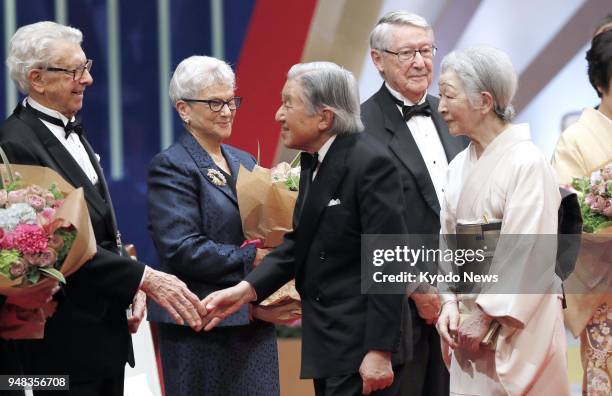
(216, 177)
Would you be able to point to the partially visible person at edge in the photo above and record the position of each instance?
(88, 337)
(500, 178)
(195, 224)
(583, 148)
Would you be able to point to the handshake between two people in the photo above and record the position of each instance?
(173, 295)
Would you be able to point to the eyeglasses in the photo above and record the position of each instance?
(77, 74)
(407, 55)
(217, 104)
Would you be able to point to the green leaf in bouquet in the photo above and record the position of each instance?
(7, 259)
(293, 183)
(53, 273)
(68, 235)
(57, 194)
(582, 184)
(33, 277)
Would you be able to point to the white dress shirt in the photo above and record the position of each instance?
(322, 152)
(72, 144)
(428, 141)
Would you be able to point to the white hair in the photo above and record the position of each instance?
(197, 73)
(325, 84)
(32, 46)
(485, 69)
(380, 38)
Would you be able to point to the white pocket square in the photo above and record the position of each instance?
(334, 202)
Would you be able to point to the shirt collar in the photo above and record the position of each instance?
(325, 148)
(46, 110)
(399, 96)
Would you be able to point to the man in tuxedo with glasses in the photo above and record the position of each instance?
(404, 117)
(88, 337)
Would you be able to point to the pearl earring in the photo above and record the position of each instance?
(186, 121)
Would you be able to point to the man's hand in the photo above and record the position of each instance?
(173, 295)
(261, 253)
(376, 371)
(448, 322)
(427, 303)
(222, 303)
(36, 299)
(279, 314)
(473, 329)
(139, 307)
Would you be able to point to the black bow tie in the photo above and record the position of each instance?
(408, 112)
(309, 161)
(72, 126)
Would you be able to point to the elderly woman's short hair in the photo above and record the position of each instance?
(198, 73)
(327, 85)
(32, 47)
(599, 58)
(380, 38)
(485, 69)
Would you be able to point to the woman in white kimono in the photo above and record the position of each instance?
(500, 177)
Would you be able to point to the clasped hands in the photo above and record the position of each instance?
(462, 334)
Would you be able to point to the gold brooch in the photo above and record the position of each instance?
(216, 177)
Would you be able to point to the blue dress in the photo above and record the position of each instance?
(195, 225)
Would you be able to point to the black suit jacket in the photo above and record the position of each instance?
(384, 122)
(340, 324)
(87, 337)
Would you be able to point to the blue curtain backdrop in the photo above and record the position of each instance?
(190, 33)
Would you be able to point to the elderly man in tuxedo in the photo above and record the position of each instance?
(88, 337)
(403, 116)
(348, 187)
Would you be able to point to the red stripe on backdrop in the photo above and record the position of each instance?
(274, 42)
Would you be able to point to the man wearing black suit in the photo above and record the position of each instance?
(88, 337)
(404, 117)
(348, 187)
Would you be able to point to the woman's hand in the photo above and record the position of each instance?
(448, 322)
(473, 329)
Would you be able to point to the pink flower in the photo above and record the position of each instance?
(606, 173)
(589, 199)
(30, 239)
(47, 258)
(607, 211)
(3, 197)
(56, 242)
(57, 203)
(17, 196)
(36, 190)
(35, 201)
(598, 205)
(18, 268)
(49, 198)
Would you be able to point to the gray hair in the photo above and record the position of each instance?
(380, 38)
(326, 84)
(485, 69)
(32, 47)
(197, 73)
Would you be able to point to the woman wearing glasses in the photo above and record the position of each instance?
(195, 224)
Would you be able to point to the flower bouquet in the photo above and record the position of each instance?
(266, 198)
(590, 283)
(45, 235)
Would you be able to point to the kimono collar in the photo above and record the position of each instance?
(511, 135)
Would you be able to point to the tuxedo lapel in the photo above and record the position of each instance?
(403, 146)
(66, 165)
(322, 190)
(205, 163)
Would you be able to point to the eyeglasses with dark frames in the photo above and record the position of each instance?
(217, 104)
(77, 73)
(407, 55)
